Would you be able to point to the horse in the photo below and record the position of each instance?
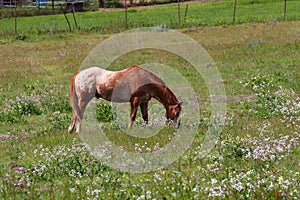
(133, 84)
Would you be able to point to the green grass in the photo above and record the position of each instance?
(256, 156)
(199, 14)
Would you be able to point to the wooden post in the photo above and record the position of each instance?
(178, 6)
(125, 6)
(234, 11)
(186, 11)
(284, 11)
(74, 18)
(61, 7)
(15, 16)
(52, 4)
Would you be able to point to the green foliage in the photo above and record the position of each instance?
(233, 148)
(270, 103)
(11, 117)
(113, 4)
(25, 108)
(36, 100)
(17, 110)
(20, 37)
(250, 2)
(74, 161)
(57, 103)
(59, 121)
(104, 112)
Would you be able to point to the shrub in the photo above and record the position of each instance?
(17, 110)
(113, 4)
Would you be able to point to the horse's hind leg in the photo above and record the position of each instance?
(144, 110)
(72, 125)
(134, 103)
(82, 105)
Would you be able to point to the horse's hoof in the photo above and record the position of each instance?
(70, 130)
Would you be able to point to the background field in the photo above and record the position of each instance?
(199, 14)
(256, 156)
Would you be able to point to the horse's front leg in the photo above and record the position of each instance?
(144, 110)
(134, 103)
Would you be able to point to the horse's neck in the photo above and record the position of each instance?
(165, 96)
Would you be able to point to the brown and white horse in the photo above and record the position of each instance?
(134, 84)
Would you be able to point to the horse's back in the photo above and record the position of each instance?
(86, 80)
(139, 76)
(130, 81)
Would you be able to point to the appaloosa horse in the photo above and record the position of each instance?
(134, 84)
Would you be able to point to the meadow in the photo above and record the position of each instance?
(198, 14)
(256, 155)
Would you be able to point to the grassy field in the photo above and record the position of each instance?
(256, 156)
(199, 14)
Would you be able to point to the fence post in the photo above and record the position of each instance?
(234, 11)
(62, 9)
(52, 4)
(126, 25)
(73, 13)
(178, 5)
(284, 11)
(15, 16)
(186, 11)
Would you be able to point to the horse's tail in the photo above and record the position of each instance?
(73, 96)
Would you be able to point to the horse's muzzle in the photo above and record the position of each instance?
(177, 120)
(177, 123)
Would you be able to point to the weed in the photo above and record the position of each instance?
(104, 112)
(282, 102)
(20, 37)
(59, 121)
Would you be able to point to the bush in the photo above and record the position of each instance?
(16, 112)
(113, 4)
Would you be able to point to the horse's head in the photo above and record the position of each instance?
(172, 114)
